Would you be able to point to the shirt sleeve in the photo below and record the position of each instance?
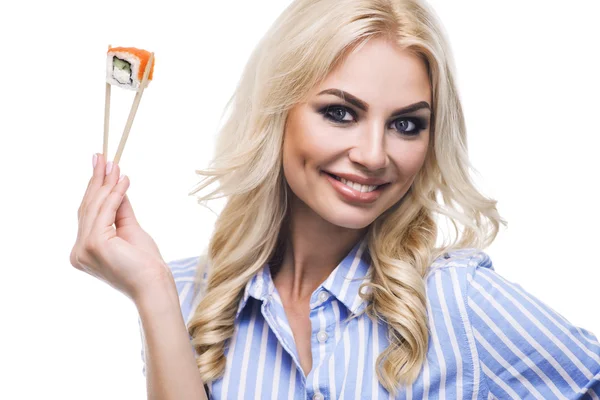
(143, 340)
(184, 274)
(527, 350)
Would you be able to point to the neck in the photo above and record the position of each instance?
(312, 249)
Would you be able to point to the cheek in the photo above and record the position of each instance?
(290, 161)
(409, 157)
(309, 143)
(297, 156)
(295, 153)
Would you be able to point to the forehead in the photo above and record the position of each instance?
(382, 75)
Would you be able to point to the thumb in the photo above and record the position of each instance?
(125, 215)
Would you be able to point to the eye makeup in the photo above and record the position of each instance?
(418, 123)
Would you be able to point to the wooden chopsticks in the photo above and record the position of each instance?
(132, 112)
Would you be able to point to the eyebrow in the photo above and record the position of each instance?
(365, 107)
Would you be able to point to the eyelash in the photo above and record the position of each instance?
(418, 122)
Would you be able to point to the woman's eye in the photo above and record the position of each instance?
(408, 126)
(337, 113)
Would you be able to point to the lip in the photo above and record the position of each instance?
(358, 179)
(351, 194)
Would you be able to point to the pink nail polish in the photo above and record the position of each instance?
(95, 160)
(109, 167)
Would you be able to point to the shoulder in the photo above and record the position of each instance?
(468, 276)
(190, 276)
(468, 259)
(519, 343)
(447, 288)
(452, 272)
(182, 268)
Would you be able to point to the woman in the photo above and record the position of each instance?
(322, 278)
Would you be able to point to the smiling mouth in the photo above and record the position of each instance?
(351, 184)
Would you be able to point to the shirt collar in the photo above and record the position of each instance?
(345, 279)
(259, 287)
(343, 282)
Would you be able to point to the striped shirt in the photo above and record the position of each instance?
(489, 339)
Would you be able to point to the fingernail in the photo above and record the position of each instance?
(121, 178)
(109, 167)
(95, 160)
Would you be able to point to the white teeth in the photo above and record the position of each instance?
(358, 186)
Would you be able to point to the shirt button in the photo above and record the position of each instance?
(318, 396)
(323, 296)
(322, 336)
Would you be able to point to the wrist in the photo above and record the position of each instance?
(157, 294)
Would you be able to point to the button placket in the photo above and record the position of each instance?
(322, 336)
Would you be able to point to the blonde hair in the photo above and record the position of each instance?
(305, 43)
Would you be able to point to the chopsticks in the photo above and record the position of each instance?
(132, 111)
(106, 117)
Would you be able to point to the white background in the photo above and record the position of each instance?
(527, 74)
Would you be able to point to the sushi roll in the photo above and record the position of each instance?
(125, 67)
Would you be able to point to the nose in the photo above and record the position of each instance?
(370, 149)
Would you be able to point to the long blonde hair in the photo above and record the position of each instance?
(305, 43)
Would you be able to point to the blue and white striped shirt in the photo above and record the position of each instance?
(490, 339)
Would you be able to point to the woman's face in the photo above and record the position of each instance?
(368, 137)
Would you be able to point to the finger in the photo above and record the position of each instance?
(96, 181)
(87, 190)
(107, 213)
(97, 198)
(125, 215)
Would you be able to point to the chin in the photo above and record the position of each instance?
(356, 219)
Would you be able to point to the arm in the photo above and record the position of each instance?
(170, 367)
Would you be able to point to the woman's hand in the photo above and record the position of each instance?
(126, 258)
